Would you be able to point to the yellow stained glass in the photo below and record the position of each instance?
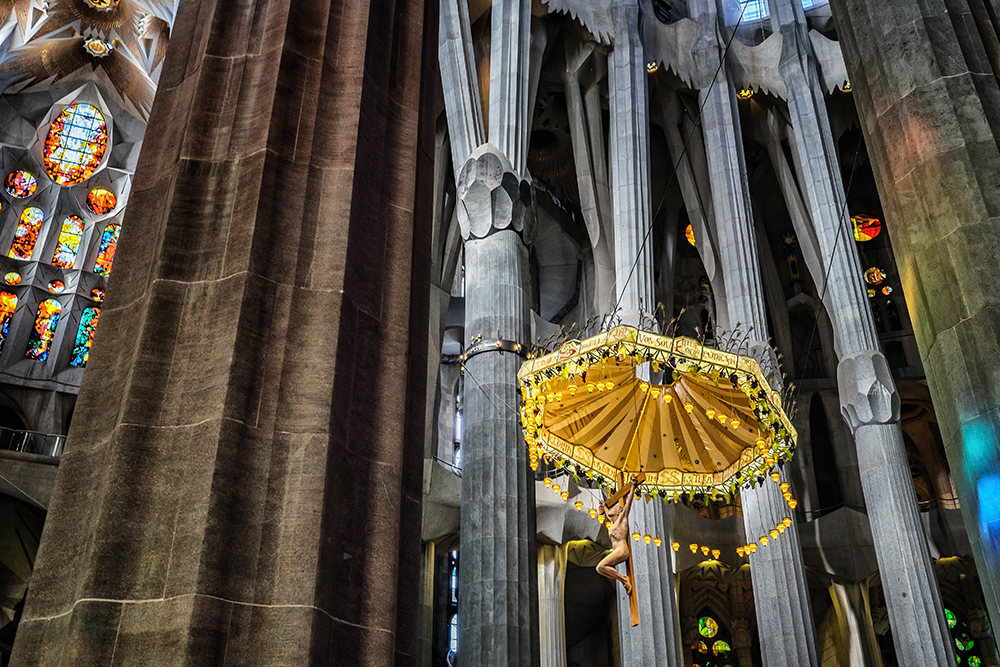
(874, 275)
(12, 278)
(26, 233)
(69, 242)
(689, 235)
(866, 227)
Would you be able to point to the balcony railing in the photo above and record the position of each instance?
(31, 442)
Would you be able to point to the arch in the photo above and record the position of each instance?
(106, 253)
(27, 233)
(46, 322)
(85, 336)
(69, 242)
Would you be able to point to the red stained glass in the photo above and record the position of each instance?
(101, 201)
(866, 227)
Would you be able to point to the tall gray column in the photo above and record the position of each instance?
(929, 105)
(551, 605)
(656, 640)
(510, 90)
(498, 612)
(784, 616)
(868, 395)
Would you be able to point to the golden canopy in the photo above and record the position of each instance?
(703, 422)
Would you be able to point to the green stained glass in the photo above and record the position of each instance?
(85, 336)
(974, 661)
(964, 644)
(707, 627)
(721, 649)
(949, 616)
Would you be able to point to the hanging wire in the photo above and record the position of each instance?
(673, 173)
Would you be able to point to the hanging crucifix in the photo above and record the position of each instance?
(616, 509)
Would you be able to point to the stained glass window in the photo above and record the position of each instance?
(707, 627)
(97, 294)
(721, 648)
(27, 233)
(887, 290)
(8, 302)
(21, 184)
(106, 255)
(871, 292)
(69, 242)
(57, 287)
(689, 235)
(101, 201)
(45, 330)
(75, 144)
(12, 278)
(974, 661)
(874, 275)
(85, 336)
(866, 227)
(949, 616)
(964, 643)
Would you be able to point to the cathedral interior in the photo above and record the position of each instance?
(312, 424)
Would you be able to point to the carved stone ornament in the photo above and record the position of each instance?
(491, 197)
(867, 393)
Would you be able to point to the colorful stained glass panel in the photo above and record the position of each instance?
(106, 255)
(75, 144)
(949, 616)
(8, 302)
(21, 184)
(85, 336)
(874, 275)
(689, 235)
(69, 242)
(866, 227)
(97, 294)
(57, 287)
(707, 627)
(101, 201)
(721, 648)
(46, 322)
(12, 278)
(27, 233)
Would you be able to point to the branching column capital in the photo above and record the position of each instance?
(867, 392)
(492, 197)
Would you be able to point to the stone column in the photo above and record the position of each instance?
(498, 610)
(243, 473)
(781, 597)
(551, 610)
(868, 395)
(929, 106)
(656, 641)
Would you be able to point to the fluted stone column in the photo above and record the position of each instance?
(868, 395)
(242, 479)
(498, 610)
(551, 605)
(781, 596)
(929, 104)
(656, 640)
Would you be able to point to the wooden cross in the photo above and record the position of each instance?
(619, 497)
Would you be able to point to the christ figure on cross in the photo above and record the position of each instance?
(619, 532)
